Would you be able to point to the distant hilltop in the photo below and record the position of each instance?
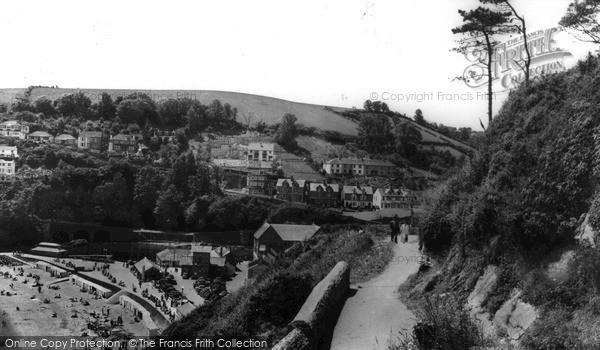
(269, 109)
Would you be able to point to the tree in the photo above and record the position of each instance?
(168, 207)
(506, 6)
(407, 139)
(170, 112)
(419, 118)
(138, 110)
(479, 28)
(286, 135)
(45, 106)
(74, 105)
(374, 133)
(248, 119)
(106, 107)
(368, 106)
(582, 16)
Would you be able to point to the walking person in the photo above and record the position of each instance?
(404, 231)
(394, 228)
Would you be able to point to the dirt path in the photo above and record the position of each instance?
(375, 315)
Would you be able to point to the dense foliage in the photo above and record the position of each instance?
(522, 201)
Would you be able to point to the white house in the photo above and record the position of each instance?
(261, 151)
(8, 155)
(12, 128)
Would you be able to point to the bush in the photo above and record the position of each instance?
(445, 325)
(553, 331)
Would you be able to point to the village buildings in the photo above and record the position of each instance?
(13, 128)
(124, 143)
(92, 140)
(40, 136)
(359, 166)
(292, 190)
(324, 194)
(8, 156)
(280, 237)
(393, 198)
(357, 197)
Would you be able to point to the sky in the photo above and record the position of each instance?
(335, 53)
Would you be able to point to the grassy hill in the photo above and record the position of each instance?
(269, 109)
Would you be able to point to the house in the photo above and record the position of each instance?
(92, 140)
(280, 237)
(12, 128)
(261, 151)
(324, 194)
(357, 197)
(200, 261)
(292, 190)
(390, 198)
(261, 183)
(221, 262)
(40, 136)
(66, 140)
(172, 257)
(146, 270)
(54, 250)
(122, 143)
(359, 166)
(8, 156)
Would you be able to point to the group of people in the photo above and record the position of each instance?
(398, 228)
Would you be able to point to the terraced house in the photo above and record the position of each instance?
(357, 197)
(386, 198)
(13, 128)
(359, 166)
(324, 194)
(292, 190)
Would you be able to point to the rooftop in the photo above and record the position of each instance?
(361, 189)
(40, 134)
(289, 233)
(300, 183)
(315, 185)
(90, 134)
(145, 264)
(64, 137)
(261, 146)
(360, 161)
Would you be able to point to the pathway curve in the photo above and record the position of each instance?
(375, 315)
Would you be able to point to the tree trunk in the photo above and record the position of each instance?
(489, 71)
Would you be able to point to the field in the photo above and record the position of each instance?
(269, 109)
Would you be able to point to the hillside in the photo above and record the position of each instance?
(269, 109)
(504, 232)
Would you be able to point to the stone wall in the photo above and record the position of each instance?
(315, 320)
